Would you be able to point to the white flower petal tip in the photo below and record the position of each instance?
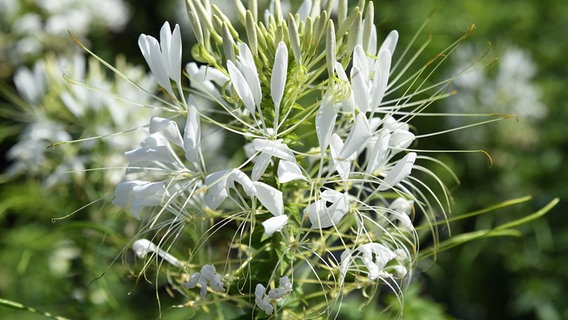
(399, 172)
(274, 224)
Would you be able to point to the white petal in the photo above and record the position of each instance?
(288, 171)
(171, 50)
(318, 215)
(327, 217)
(208, 272)
(240, 177)
(399, 172)
(276, 293)
(142, 247)
(193, 278)
(390, 42)
(241, 87)
(373, 39)
(260, 165)
(382, 73)
(168, 128)
(165, 36)
(216, 188)
(361, 63)
(274, 224)
(275, 148)
(401, 139)
(203, 290)
(150, 49)
(342, 165)
(345, 262)
(378, 152)
(259, 291)
(360, 90)
(217, 283)
(331, 195)
(135, 195)
(349, 104)
(279, 73)
(325, 122)
(357, 137)
(270, 197)
(402, 205)
(192, 133)
(382, 254)
(313, 212)
(285, 283)
(248, 68)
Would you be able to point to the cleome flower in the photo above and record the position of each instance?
(320, 181)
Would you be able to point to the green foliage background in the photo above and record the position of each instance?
(495, 278)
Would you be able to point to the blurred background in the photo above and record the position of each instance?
(513, 63)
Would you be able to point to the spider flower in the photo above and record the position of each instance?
(318, 190)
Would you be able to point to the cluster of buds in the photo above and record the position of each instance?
(287, 157)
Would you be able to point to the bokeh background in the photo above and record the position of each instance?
(514, 62)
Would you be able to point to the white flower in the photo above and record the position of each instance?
(219, 184)
(263, 301)
(144, 246)
(401, 209)
(244, 77)
(321, 216)
(135, 195)
(207, 275)
(288, 171)
(375, 257)
(163, 58)
(206, 79)
(155, 163)
(399, 172)
(369, 76)
(274, 224)
(279, 292)
(31, 84)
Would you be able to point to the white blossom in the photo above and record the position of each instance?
(163, 58)
(207, 276)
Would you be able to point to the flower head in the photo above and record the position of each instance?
(316, 123)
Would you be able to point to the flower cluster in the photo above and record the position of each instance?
(288, 157)
(509, 86)
(53, 109)
(33, 27)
